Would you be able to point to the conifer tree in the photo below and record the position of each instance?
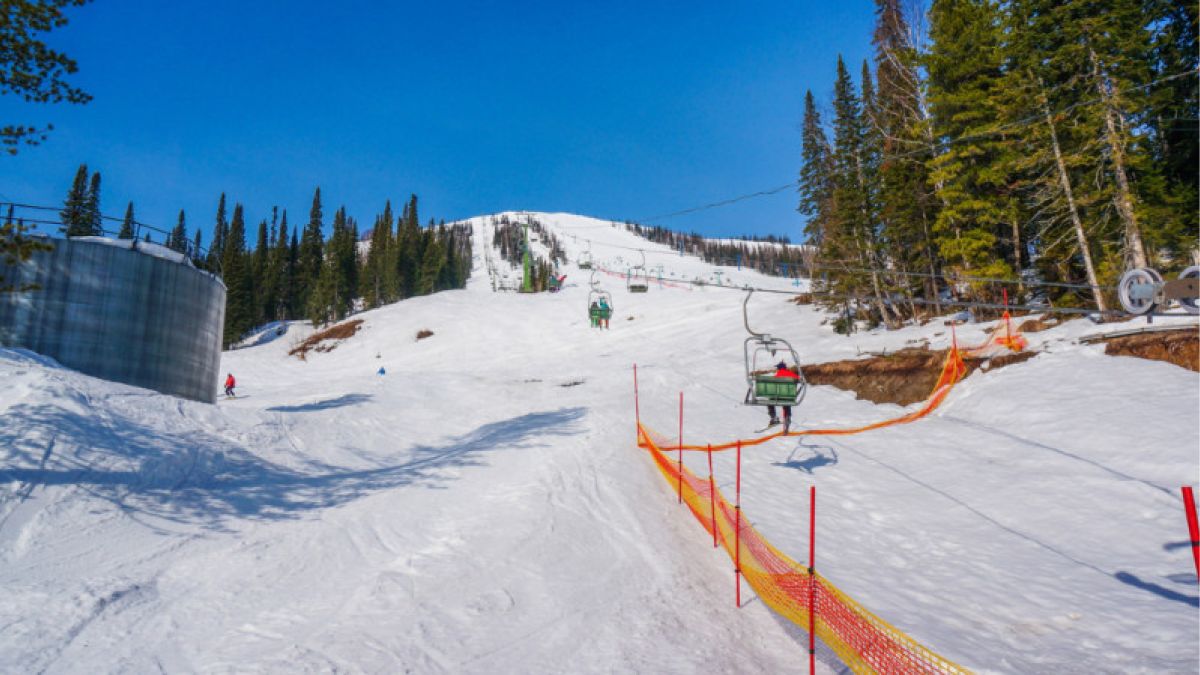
(312, 246)
(966, 66)
(196, 241)
(239, 299)
(816, 174)
(74, 213)
(258, 274)
(177, 240)
(127, 224)
(279, 271)
(431, 267)
(220, 228)
(91, 208)
(906, 206)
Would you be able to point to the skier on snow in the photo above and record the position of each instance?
(230, 383)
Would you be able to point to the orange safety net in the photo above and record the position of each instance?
(863, 641)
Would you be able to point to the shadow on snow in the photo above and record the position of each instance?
(327, 404)
(205, 480)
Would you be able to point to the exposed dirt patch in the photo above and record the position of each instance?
(326, 340)
(904, 377)
(803, 299)
(424, 333)
(1180, 347)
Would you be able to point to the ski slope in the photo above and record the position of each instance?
(483, 508)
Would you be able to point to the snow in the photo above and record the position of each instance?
(146, 247)
(483, 507)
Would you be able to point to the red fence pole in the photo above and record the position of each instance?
(637, 410)
(681, 447)
(737, 530)
(812, 579)
(712, 496)
(1189, 508)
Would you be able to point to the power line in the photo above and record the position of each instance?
(924, 150)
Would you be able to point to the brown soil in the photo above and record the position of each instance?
(1180, 347)
(803, 299)
(904, 377)
(326, 340)
(424, 333)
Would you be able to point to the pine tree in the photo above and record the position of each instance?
(333, 296)
(196, 248)
(971, 171)
(312, 246)
(1172, 186)
(431, 268)
(177, 240)
(127, 224)
(258, 273)
(91, 208)
(74, 213)
(816, 174)
(279, 269)
(216, 251)
(906, 206)
(239, 299)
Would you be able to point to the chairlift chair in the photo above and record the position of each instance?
(638, 280)
(762, 352)
(585, 260)
(594, 297)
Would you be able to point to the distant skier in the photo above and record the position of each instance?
(381, 372)
(230, 383)
(605, 312)
(781, 370)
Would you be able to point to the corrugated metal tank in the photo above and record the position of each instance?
(141, 317)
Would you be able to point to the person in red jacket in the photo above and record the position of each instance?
(781, 370)
(230, 383)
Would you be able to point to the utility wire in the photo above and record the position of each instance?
(924, 150)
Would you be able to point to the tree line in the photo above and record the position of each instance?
(1029, 140)
(296, 272)
(776, 258)
(509, 238)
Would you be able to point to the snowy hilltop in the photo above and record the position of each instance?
(474, 500)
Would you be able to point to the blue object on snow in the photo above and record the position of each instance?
(381, 371)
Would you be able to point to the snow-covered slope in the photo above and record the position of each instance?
(482, 507)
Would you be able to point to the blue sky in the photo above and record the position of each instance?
(621, 110)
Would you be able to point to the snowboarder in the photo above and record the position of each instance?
(781, 370)
(605, 312)
(230, 383)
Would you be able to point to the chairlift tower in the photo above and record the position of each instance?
(527, 285)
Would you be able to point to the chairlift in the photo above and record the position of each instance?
(585, 259)
(637, 280)
(597, 294)
(762, 352)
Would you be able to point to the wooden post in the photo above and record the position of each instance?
(1189, 508)
(812, 580)
(712, 496)
(680, 447)
(737, 530)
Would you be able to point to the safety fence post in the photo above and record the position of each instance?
(681, 447)
(1189, 508)
(637, 409)
(737, 531)
(712, 496)
(812, 579)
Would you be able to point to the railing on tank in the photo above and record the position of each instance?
(19, 213)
